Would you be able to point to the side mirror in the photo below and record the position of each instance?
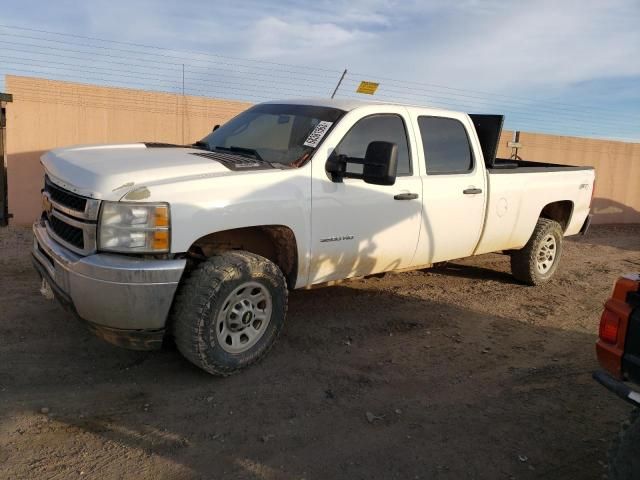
(215, 128)
(379, 165)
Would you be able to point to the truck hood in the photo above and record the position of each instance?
(108, 171)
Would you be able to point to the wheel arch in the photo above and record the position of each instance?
(559, 211)
(277, 243)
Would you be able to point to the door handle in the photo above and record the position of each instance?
(472, 191)
(405, 196)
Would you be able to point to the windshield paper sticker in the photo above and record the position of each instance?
(314, 137)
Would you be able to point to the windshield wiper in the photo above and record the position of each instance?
(249, 151)
(201, 145)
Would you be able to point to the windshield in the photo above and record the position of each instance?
(275, 133)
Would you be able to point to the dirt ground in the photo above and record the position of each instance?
(467, 375)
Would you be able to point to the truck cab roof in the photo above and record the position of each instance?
(348, 104)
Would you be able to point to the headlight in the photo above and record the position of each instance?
(134, 227)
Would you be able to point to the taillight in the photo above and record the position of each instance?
(609, 327)
(613, 325)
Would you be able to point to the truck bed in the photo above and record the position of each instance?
(515, 202)
(504, 165)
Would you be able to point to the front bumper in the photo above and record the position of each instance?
(125, 300)
(618, 387)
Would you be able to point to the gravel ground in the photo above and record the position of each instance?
(455, 372)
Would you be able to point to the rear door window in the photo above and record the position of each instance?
(446, 146)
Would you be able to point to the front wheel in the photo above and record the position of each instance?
(537, 261)
(229, 312)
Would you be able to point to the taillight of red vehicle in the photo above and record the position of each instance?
(609, 327)
(613, 325)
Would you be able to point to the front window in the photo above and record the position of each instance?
(381, 127)
(285, 134)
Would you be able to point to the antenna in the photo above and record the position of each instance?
(339, 83)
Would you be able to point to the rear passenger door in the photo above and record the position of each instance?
(453, 188)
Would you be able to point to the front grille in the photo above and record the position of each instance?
(66, 232)
(71, 218)
(64, 197)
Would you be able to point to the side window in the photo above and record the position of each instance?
(387, 128)
(446, 145)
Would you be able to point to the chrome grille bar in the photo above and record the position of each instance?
(70, 219)
(89, 231)
(71, 203)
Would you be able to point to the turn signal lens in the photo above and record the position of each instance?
(609, 326)
(161, 216)
(161, 240)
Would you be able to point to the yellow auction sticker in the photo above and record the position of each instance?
(368, 88)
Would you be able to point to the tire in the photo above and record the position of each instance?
(526, 263)
(624, 461)
(229, 312)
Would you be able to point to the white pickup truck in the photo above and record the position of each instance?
(202, 242)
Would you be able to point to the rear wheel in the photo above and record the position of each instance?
(537, 261)
(229, 312)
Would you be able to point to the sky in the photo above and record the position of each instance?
(560, 66)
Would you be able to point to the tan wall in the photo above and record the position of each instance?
(47, 114)
(617, 164)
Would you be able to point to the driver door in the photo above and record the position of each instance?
(357, 228)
